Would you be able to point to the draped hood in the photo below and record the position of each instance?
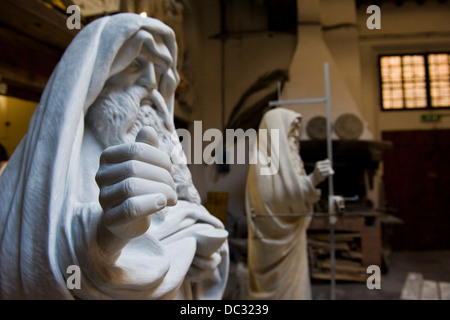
(275, 204)
(38, 189)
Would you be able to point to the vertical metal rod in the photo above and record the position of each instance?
(331, 211)
(279, 90)
(223, 37)
(329, 132)
(332, 262)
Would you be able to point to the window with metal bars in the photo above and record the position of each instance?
(415, 81)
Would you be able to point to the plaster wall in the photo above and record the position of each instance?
(354, 48)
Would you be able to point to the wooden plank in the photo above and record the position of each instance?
(343, 224)
(444, 289)
(21, 76)
(326, 245)
(412, 288)
(430, 290)
(346, 266)
(347, 236)
(352, 254)
(339, 276)
(35, 19)
(19, 40)
(23, 91)
(33, 38)
(25, 63)
(371, 247)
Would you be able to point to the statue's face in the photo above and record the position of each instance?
(296, 128)
(139, 96)
(135, 97)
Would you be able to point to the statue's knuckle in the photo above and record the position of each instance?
(103, 194)
(133, 149)
(130, 209)
(131, 168)
(98, 177)
(136, 150)
(130, 186)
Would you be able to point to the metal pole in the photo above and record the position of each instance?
(300, 101)
(331, 208)
(278, 90)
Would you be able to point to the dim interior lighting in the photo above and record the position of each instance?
(143, 14)
(3, 88)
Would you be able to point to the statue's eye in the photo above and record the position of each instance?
(137, 63)
(159, 71)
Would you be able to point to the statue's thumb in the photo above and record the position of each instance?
(148, 135)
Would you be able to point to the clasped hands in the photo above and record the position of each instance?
(135, 181)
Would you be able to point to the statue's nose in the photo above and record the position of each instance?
(148, 77)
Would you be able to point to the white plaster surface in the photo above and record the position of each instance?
(277, 208)
(92, 184)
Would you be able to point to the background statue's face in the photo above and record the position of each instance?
(135, 97)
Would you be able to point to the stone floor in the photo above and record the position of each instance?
(433, 265)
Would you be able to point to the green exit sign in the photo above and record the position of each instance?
(430, 117)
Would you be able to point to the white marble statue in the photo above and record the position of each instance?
(277, 244)
(92, 184)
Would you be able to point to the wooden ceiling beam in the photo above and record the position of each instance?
(33, 38)
(25, 61)
(22, 91)
(36, 20)
(11, 38)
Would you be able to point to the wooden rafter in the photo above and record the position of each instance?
(33, 38)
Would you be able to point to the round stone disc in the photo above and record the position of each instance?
(317, 128)
(348, 127)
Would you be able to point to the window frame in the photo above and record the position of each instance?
(428, 107)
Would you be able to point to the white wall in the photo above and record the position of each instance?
(341, 36)
(410, 28)
(247, 57)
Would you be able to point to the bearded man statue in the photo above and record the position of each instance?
(279, 210)
(95, 182)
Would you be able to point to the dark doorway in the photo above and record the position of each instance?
(417, 187)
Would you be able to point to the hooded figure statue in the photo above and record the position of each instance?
(278, 210)
(93, 184)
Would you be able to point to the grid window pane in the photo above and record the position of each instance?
(415, 81)
(391, 73)
(413, 74)
(439, 69)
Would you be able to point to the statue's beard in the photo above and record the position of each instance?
(116, 117)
